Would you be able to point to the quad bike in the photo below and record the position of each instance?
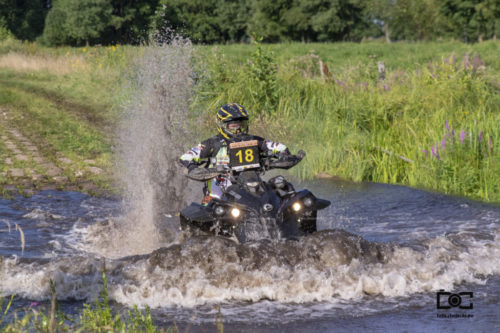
(252, 209)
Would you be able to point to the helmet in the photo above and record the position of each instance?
(232, 120)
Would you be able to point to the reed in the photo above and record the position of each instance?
(358, 126)
(97, 317)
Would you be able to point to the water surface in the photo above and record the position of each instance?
(380, 257)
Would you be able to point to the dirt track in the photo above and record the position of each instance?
(26, 167)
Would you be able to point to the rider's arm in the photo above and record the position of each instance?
(191, 159)
(276, 148)
(199, 154)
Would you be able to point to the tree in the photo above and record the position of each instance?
(193, 18)
(465, 17)
(336, 19)
(489, 17)
(87, 20)
(267, 19)
(132, 19)
(416, 20)
(55, 33)
(78, 22)
(24, 18)
(380, 12)
(232, 18)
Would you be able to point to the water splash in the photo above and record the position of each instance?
(154, 125)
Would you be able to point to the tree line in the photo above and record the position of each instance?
(79, 22)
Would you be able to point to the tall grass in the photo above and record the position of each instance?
(96, 317)
(357, 126)
(351, 123)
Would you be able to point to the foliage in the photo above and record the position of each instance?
(473, 19)
(99, 317)
(4, 31)
(262, 72)
(359, 127)
(25, 18)
(131, 20)
(75, 22)
(206, 21)
(78, 21)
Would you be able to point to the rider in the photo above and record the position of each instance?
(232, 125)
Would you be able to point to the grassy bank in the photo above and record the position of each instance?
(58, 116)
(97, 317)
(432, 122)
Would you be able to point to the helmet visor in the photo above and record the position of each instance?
(237, 126)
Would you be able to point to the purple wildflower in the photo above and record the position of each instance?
(466, 62)
(477, 62)
(387, 87)
(462, 136)
(425, 152)
(443, 143)
(447, 125)
(452, 133)
(33, 304)
(480, 138)
(435, 151)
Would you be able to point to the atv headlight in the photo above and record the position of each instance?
(235, 212)
(296, 206)
(308, 202)
(219, 211)
(252, 184)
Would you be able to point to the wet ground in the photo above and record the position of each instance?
(382, 258)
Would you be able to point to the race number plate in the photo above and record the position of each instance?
(244, 155)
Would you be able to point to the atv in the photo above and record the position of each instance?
(253, 209)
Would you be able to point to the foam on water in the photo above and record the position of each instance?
(329, 266)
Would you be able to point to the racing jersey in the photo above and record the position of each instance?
(215, 152)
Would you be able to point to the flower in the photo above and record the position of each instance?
(447, 125)
(425, 152)
(443, 143)
(34, 304)
(462, 136)
(435, 151)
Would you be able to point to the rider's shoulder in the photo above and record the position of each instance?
(248, 137)
(212, 140)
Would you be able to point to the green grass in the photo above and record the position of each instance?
(359, 127)
(66, 101)
(352, 125)
(96, 317)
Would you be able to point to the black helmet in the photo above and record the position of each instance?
(232, 120)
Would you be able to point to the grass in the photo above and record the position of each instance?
(64, 100)
(97, 317)
(360, 127)
(351, 123)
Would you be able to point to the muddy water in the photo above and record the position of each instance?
(380, 257)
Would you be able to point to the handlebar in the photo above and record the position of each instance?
(284, 162)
